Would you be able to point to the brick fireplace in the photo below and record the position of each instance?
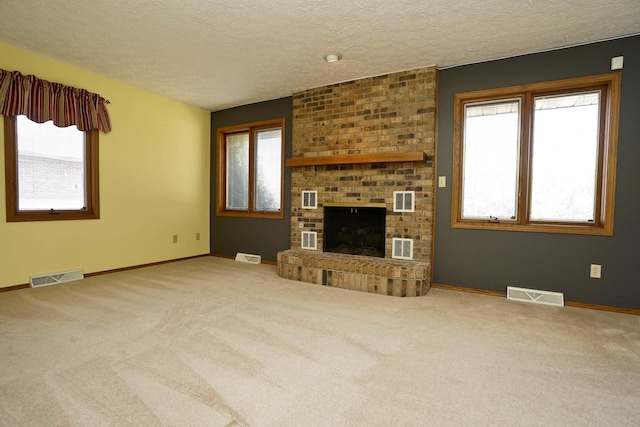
(355, 144)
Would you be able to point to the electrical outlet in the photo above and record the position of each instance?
(175, 238)
(596, 271)
(442, 181)
(197, 236)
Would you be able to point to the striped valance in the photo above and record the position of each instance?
(41, 101)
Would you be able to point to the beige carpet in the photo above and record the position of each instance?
(213, 342)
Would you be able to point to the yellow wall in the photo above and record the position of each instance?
(154, 183)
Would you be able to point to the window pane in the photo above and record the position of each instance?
(490, 160)
(51, 166)
(565, 156)
(268, 169)
(238, 171)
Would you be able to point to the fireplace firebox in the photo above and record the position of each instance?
(354, 230)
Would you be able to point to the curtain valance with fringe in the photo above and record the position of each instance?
(41, 101)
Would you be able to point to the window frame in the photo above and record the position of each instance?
(607, 155)
(92, 188)
(221, 166)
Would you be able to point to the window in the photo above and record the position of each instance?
(51, 172)
(250, 159)
(538, 157)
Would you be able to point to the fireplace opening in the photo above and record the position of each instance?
(354, 230)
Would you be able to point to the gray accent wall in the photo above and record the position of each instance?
(491, 260)
(260, 236)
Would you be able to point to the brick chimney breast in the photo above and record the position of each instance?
(391, 113)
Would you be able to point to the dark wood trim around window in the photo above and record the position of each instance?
(606, 180)
(92, 210)
(221, 170)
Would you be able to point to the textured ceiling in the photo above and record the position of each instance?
(218, 54)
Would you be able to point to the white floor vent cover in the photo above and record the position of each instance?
(250, 258)
(535, 296)
(55, 278)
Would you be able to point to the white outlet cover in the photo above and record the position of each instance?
(442, 181)
(596, 271)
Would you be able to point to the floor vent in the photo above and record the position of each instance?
(535, 296)
(249, 258)
(55, 278)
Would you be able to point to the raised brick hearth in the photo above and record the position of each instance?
(359, 273)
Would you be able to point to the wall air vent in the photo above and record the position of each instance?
(404, 201)
(248, 258)
(309, 240)
(535, 296)
(402, 248)
(55, 278)
(310, 199)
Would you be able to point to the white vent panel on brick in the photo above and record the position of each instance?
(55, 278)
(402, 248)
(535, 296)
(248, 258)
(404, 201)
(309, 240)
(309, 199)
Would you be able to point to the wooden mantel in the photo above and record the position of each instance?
(411, 156)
